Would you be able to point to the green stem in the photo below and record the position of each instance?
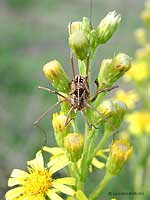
(74, 125)
(99, 99)
(99, 146)
(138, 181)
(100, 186)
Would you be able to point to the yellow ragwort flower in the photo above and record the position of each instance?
(137, 73)
(129, 97)
(38, 183)
(139, 122)
(120, 152)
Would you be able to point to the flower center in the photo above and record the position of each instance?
(38, 181)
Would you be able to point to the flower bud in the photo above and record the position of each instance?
(60, 130)
(54, 72)
(113, 110)
(145, 16)
(86, 25)
(107, 27)
(140, 35)
(74, 26)
(112, 69)
(74, 146)
(120, 152)
(78, 42)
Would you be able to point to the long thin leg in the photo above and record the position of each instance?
(102, 90)
(68, 114)
(49, 110)
(103, 117)
(45, 135)
(86, 120)
(72, 63)
(52, 91)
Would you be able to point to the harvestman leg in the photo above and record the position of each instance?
(68, 114)
(85, 119)
(49, 110)
(102, 90)
(52, 91)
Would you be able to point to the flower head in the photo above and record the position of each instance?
(56, 74)
(139, 122)
(137, 73)
(60, 129)
(120, 152)
(112, 112)
(107, 27)
(38, 182)
(74, 146)
(112, 69)
(129, 97)
(78, 42)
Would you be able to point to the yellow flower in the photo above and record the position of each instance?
(138, 72)
(129, 98)
(38, 183)
(120, 152)
(139, 122)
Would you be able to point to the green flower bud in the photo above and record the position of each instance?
(113, 110)
(112, 69)
(60, 130)
(107, 27)
(74, 146)
(86, 25)
(54, 72)
(120, 152)
(78, 42)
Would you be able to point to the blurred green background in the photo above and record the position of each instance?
(33, 32)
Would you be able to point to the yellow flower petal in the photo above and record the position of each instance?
(15, 181)
(56, 159)
(66, 180)
(54, 150)
(53, 196)
(97, 163)
(13, 193)
(38, 162)
(58, 166)
(17, 173)
(63, 188)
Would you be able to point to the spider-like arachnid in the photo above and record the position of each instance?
(79, 94)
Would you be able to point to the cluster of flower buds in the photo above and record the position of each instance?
(83, 36)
